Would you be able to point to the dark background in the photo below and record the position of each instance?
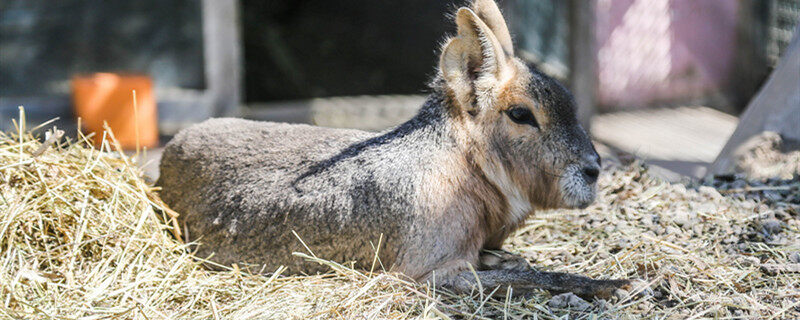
(43, 42)
(311, 48)
(303, 48)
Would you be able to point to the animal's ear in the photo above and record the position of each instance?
(488, 11)
(474, 61)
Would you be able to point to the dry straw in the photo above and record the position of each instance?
(82, 236)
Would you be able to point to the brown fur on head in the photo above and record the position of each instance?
(522, 124)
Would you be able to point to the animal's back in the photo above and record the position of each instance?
(243, 186)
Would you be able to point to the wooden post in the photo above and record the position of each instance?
(583, 58)
(222, 48)
(750, 55)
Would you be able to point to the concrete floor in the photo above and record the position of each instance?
(685, 140)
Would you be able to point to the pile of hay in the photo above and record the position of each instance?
(81, 235)
(763, 157)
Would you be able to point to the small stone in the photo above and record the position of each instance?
(729, 240)
(707, 207)
(682, 218)
(749, 261)
(624, 243)
(772, 226)
(775, 269)
(658, 294)
(672, 230)
(772, 195)
(645, 305)
(795, 257)
(777, 240)
(656, 218)
(569, 301)
(601, 304)
(709, 192)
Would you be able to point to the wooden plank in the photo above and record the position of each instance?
(776, 108)
(222, 46)
(583, 59)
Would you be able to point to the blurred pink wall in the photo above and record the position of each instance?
(652, 51)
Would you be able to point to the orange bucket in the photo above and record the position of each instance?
(109, 97)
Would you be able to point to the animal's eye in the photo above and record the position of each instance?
(522, 115)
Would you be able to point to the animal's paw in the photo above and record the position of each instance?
(634, 288)
(502, 260)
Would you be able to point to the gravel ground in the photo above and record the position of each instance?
(728, 247)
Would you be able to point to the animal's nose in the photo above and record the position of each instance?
(590, 174)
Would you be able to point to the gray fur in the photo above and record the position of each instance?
(435, 191)
(242, 187)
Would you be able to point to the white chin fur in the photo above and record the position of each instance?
(519, 205)
(575, 192)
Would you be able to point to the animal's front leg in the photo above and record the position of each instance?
(526, 282)
(502, 260)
